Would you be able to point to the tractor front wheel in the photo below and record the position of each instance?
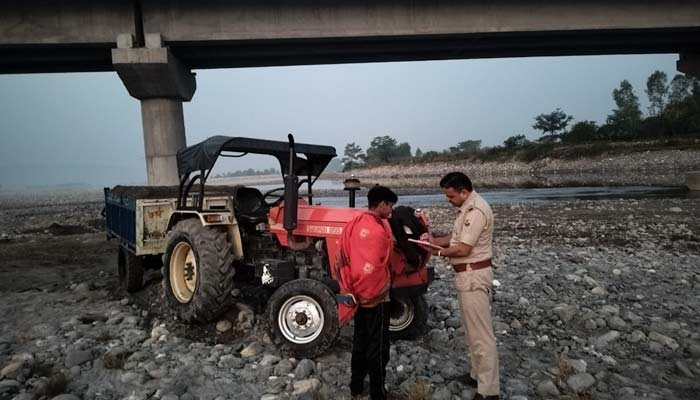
(197, 271)
(302, 318)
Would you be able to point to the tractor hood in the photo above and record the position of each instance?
(203, 156)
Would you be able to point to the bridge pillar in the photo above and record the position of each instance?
(689, 64)
(155, 76)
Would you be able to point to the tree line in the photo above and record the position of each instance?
(674, 111)
(248, 172)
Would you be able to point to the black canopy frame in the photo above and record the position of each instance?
(195, 163)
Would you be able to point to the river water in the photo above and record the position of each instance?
(506, 196)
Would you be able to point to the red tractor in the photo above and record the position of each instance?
(212, 237)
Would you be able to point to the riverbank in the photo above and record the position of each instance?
(660, 167)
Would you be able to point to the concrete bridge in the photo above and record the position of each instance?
(154, 44)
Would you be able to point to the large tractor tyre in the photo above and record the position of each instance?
(197, 271)
(130, 268)
(409, 318)
(302, 318)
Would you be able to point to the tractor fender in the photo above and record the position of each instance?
(216, 218)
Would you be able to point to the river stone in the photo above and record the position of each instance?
(269, 359)
(453, 322)
(442, 393)
(547, 389)
(305, 386)
(230, 361)
(665, 340)
(565, 312)
(66, 397)
(636, 336)
(12, 370)
(599, 291)
(115, 357)
(616, 323)
(78, 357)
(252, 350)
(304, 369)
(276, 385)
(602, 341)
(283, 367)
(223, 326)
(579, 383)
(438, 338)
(610, 309)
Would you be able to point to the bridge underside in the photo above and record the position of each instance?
(257, 53)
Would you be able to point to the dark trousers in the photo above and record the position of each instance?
(370, 350)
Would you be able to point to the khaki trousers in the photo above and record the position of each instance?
(474, 294)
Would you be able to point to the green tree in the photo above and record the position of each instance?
(381, 149)
(682, 114)
(401, 151)
(467, 147)
(583, 131)
(419, 153)
(626, 118)
(515, 141)
(552, 124)
(353, 156)
(657, 90)
(681, 88)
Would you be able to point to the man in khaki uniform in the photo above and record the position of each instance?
(470, 249)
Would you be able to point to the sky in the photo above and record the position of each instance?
(84, 128)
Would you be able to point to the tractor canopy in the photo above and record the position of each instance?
(203, 156)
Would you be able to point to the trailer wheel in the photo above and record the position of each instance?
(130, 268)
(197, 271)
(409, 318)
(302, 318)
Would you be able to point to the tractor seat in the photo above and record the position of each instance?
(249, 206)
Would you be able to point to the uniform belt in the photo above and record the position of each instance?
(472, 266)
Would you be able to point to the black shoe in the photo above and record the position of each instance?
(468, 380)
(479, 396)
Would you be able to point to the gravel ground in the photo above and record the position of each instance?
(597, 299)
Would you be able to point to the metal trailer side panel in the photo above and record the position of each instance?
(120, 216)
(152, 217)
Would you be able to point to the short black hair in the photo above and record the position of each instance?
(378, 193)
(457, 181)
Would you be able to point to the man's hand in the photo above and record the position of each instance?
(426, 237)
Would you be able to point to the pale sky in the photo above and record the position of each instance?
(85, 128)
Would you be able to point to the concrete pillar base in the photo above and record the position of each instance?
(163, 136)
(692, 180)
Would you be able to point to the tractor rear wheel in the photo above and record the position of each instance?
(409, 318)
(197, 271)
(302, 318)
(130, 267)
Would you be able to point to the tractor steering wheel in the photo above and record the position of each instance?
(278, 197)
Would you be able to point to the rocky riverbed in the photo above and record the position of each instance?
(595, 300)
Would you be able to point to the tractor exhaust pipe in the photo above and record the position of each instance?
(352, 185)
(291, 191)
(291, 197)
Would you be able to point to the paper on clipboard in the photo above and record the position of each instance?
(426, 244)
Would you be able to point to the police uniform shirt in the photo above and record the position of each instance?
(474, 226)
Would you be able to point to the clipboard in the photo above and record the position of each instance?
(426, 244)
